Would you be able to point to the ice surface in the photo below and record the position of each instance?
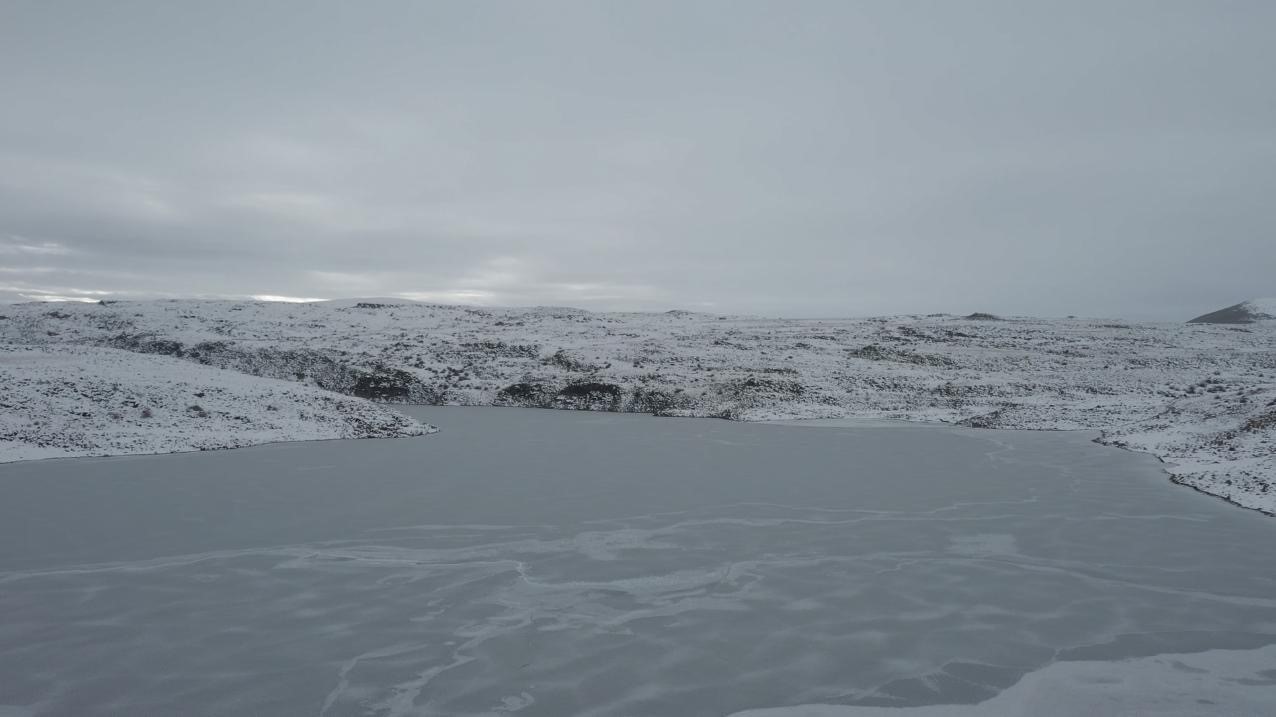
(1220, 682)
(562, 563)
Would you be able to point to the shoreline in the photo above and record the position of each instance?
(849, 422)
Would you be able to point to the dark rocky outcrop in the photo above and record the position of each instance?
(877, 352)
(657, 401)
(494, 349)
(589, 396)
(1241, 313)
(739, 395)
(594, 396)
(329, 370)
(385, 384)
(532, 395)
(143, 344)
(566, 361)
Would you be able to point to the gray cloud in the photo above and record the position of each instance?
(817, 158)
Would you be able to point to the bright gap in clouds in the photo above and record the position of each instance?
(58, 299)
(286, 299)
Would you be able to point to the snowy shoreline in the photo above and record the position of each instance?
(1200, 397)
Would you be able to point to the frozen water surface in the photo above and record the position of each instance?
(559, 563)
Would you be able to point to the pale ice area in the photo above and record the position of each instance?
(554, 563)
(1220, 682)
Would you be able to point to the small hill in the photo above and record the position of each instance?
(1246, 312)
(370, 302)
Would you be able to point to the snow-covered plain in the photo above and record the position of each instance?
(1201, 397)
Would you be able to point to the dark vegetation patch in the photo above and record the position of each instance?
(758, 390)
(657, 401)
(589, 388)
(877, 352)
(594, 396)
(501, 349)
(384, 384)
(145, 344)
(524, 394)
(784, 370)
(1260, 422)
(564, 360)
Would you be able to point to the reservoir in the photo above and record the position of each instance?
(551, 563)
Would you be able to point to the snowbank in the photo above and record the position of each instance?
(1219, 439)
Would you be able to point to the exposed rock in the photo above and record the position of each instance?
(876, 352)
(1246, 312)
(532, 395)
(590, 396)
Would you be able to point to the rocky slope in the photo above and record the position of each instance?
(1195, 395)
(59, 401)
(1246, 312)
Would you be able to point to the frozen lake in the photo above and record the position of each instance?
(558, 563)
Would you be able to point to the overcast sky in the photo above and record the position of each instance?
(782, 158)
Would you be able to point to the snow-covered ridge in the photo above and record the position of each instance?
(1246, 312)
(1199, 396)
(1265, 308)
(60, 401)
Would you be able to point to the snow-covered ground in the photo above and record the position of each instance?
(1201, 397)
(61, 401)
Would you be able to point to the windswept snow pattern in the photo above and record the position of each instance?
(1264, 308)
(1201, 397)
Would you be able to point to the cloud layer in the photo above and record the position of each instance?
(813, 159)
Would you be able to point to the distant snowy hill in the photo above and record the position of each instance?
(1246, 312)
(1201, 397)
